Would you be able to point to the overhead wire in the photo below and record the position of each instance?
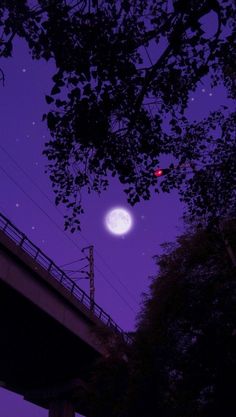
(61, 230)
(59, 211)
(58, 227)
(101, 273)
(35, 203)
(118, 279)
(73, 262)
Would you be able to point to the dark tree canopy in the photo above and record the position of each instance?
(185, 341)
(111, 95)
(182, 361)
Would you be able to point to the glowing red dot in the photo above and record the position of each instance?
(158, 173)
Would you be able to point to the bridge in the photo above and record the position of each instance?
(50, 328)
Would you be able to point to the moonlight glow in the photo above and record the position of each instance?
(118, 221)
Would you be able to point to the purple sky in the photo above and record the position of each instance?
(122, 264)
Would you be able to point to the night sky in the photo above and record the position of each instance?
(122, 264)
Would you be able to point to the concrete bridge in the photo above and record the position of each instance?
(49, 328)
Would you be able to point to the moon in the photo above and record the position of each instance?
(118, 221)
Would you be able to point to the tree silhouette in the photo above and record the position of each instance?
(182, 361)
(185, 340)
(111, 95)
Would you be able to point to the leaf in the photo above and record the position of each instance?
(55, 90)
(49, 99)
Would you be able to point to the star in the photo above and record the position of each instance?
(210, 94)
(33, 123)
(192, 99)
(23, 69)
(17, 205)
(36, 163)
(203, 90)
(33, 227)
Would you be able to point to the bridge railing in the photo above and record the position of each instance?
(54, 271)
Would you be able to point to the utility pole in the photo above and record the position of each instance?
(91, 277)
(90, 258)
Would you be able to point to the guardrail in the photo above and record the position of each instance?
(54, 271)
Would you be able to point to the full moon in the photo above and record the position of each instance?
(118, 221)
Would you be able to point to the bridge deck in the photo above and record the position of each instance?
(56, 273)
(49, 327)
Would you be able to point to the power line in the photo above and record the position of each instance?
(104, 277)
(61, 230)
(123, 285)
(73, 262)
(77, 260)
(35, 203)
(29, 178)
(59, 211)
(107, 265)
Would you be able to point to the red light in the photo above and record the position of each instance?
(158, 173)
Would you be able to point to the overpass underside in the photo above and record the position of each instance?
(40, 359)
(49, 333)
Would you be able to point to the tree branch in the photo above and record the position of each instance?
(2, 77)
(8, 42)
(175, 37)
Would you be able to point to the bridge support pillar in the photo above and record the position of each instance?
(61, 408)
